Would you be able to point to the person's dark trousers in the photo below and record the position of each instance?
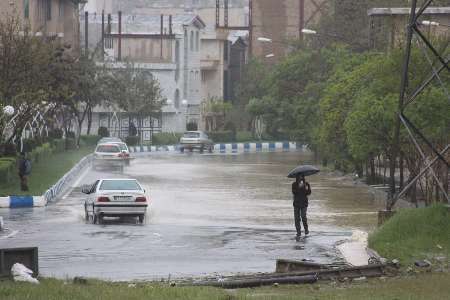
(300, 212)
(23, 183)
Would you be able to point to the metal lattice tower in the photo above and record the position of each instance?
(439, 64)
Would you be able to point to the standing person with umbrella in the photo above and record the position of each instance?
(301, 190)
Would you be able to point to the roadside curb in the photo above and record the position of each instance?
(229, 148)
(51, 194)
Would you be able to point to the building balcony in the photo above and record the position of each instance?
(209, 64)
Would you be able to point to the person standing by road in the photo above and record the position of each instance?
(301, 190)
(24, 166)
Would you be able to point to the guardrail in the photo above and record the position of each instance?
(229, 147)
(61, 185)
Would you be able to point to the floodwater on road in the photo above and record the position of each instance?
(209, 214)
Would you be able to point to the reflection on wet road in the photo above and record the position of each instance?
(209, 214)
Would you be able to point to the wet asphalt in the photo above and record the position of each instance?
(210, 214)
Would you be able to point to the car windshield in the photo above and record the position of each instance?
(119, 185)
(108, 148)
(123, 146)
(192, 135)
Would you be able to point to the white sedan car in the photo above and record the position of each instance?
(111, 155)
(115, 198)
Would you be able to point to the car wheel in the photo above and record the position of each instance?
(141, 219)
(100, 219)
(86, 214)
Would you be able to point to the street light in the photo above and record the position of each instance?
(432, 23)
(264, 40)
(308, 31)
(8, 110)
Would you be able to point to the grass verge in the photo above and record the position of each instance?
(419, 286)
(413, 234)
(46, 172)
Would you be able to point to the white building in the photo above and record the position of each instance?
(173, 58)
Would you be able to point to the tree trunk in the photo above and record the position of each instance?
(391, 181)
(372, 170)
(89, 125)
(446, 179)
(414, 195)
(401, 166)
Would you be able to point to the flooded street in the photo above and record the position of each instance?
(209, 213)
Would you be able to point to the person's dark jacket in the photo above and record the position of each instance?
(301, 194)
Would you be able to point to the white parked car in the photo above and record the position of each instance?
(115, 198)
(196, 140)
(110, 155)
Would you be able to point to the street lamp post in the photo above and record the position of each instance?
(185, 104)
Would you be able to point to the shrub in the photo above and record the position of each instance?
(166, 138)
(8, 149)
(7, 169)
(103, 131)
(28, 145)
(58, 145)
(70, 135)
(89, 140)
(191, 126)
(41, 152)
(132, 140)
(244, 136)
(221, 136)
(71, 144)
(56, 133)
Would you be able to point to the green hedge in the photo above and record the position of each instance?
(244, 136)
(7, 169)
(166, 138)
(132, 140)
(58, 145)
(89, 140)
(41, 152)
(103, 131)
(71, 144)
(221, 136)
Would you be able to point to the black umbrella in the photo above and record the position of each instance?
(304, 170)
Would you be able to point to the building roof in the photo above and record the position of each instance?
(407, 11)
(149, 24)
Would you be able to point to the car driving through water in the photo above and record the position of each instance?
(196, 140)
(111, 155)
(115, 198)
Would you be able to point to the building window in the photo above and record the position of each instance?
(48, 9)
(197, 41)
(225, 51)
(177, 99)
(26, 9)
(192, 41)
(61, 8)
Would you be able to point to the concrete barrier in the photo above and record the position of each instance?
(230, 147)
(22, 201)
